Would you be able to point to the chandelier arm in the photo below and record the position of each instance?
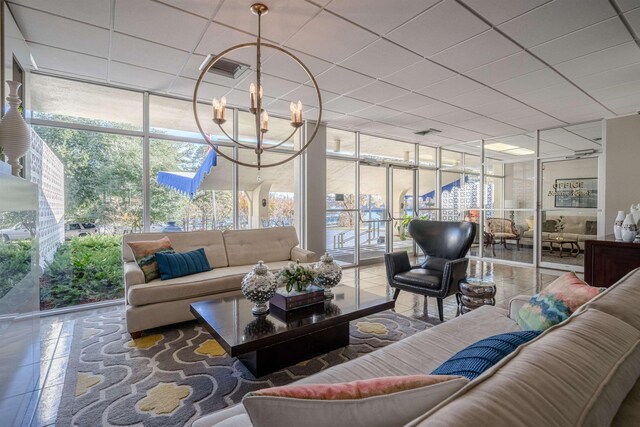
(271, 147)
(233, 140)
(213, 61)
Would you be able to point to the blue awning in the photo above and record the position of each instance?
(188, 183)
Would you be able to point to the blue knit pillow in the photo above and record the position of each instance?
(182, 264)
(473, 360)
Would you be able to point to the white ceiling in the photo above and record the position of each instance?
(470, 68)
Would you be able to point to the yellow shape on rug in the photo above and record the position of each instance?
(145, 342)
(85, 381)
(372, 328)
(164, 398)
(211, 348)
(90, 332)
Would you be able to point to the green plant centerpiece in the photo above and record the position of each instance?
(559, 227)
(295, 276)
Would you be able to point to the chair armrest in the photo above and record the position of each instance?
(396, 262)
(302, 255)
(454, 272)
(516, 303)
(133, 275)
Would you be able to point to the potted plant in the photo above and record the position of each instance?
(403, 224)
(559, 227)
(295, 276)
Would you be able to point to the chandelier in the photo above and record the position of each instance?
(256, 108)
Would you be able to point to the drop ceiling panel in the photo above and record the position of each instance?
(151, 21)
(588, 40)
(377, 92)
(350, 122)
(614, 77)
(556, 19)
(307, 95)
(142, 53)
(331, 38)
(346, 105)
(283, 66)
(218, 38)
(327, 115)
(44, 28)
(626, 5)
(450, 88)
(580, 113)
(381, 58)
(456, 116)
(274, 87)
(409, 101)
(624, 105)
(67, 62)
(285, 17)
(496, 107)
(634, 19)
(383, 129)
(375, 113)
(604, 60)
(618, 91)
(419, 75)
(530, 82)
(199, 7)
(433, 109)
(538, 121)
(476, 51)
(481, 96)
(506, 68)
(340, 80)
(96, 12)
(515, 113)
(401, 119)
(379, 16)
(440, 27)
(143, 78)
(499, 11)
(489, 126)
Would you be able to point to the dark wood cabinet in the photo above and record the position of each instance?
(606, 260)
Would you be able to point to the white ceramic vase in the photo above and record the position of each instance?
(629, 229)
(258, 286)
(15, 135)
(617, 226)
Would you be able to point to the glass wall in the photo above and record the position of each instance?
(342, 210)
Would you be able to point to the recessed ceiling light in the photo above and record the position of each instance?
(225, 67)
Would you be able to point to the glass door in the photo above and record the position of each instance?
(403, 207)
(373, 217)
(569, 211)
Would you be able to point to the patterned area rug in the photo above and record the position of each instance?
(174, 375)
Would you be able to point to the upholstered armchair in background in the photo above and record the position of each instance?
(445, 245)
(499, 230)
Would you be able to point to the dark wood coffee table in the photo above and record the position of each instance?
(268, 343)
(574, 247)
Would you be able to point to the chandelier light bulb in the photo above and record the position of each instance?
(252, 89)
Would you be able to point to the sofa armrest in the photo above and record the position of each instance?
(396, 262)
(133, 275)
(302, 255)
(516, 303)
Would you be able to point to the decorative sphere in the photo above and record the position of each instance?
(329, 272)
(259, 285)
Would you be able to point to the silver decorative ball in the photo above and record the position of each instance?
(329, 274)
(258, 286)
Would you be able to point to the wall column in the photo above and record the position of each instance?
(617, 184)
(260, 204)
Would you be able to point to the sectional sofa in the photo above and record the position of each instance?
(581, 372)
(231, 254)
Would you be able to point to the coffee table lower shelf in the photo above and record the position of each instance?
(269, 359)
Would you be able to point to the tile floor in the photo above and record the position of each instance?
(29, 408)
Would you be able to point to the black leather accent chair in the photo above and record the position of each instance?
(445, 245)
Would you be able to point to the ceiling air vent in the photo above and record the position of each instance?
(427, 132)
(225, 67)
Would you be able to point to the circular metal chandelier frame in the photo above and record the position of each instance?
(309, 140)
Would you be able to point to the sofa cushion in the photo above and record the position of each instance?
(621, 300)
(267, 244)
(174, 265)
(629, 412)
(144, 252)
(207, 283)
(211, 240)
(473, 360)
(556, 302)
(574, 374)
(549, 226)
(377, 402)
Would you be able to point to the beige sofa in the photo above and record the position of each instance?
(231, 254)
(575, 229)
(582, 372)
